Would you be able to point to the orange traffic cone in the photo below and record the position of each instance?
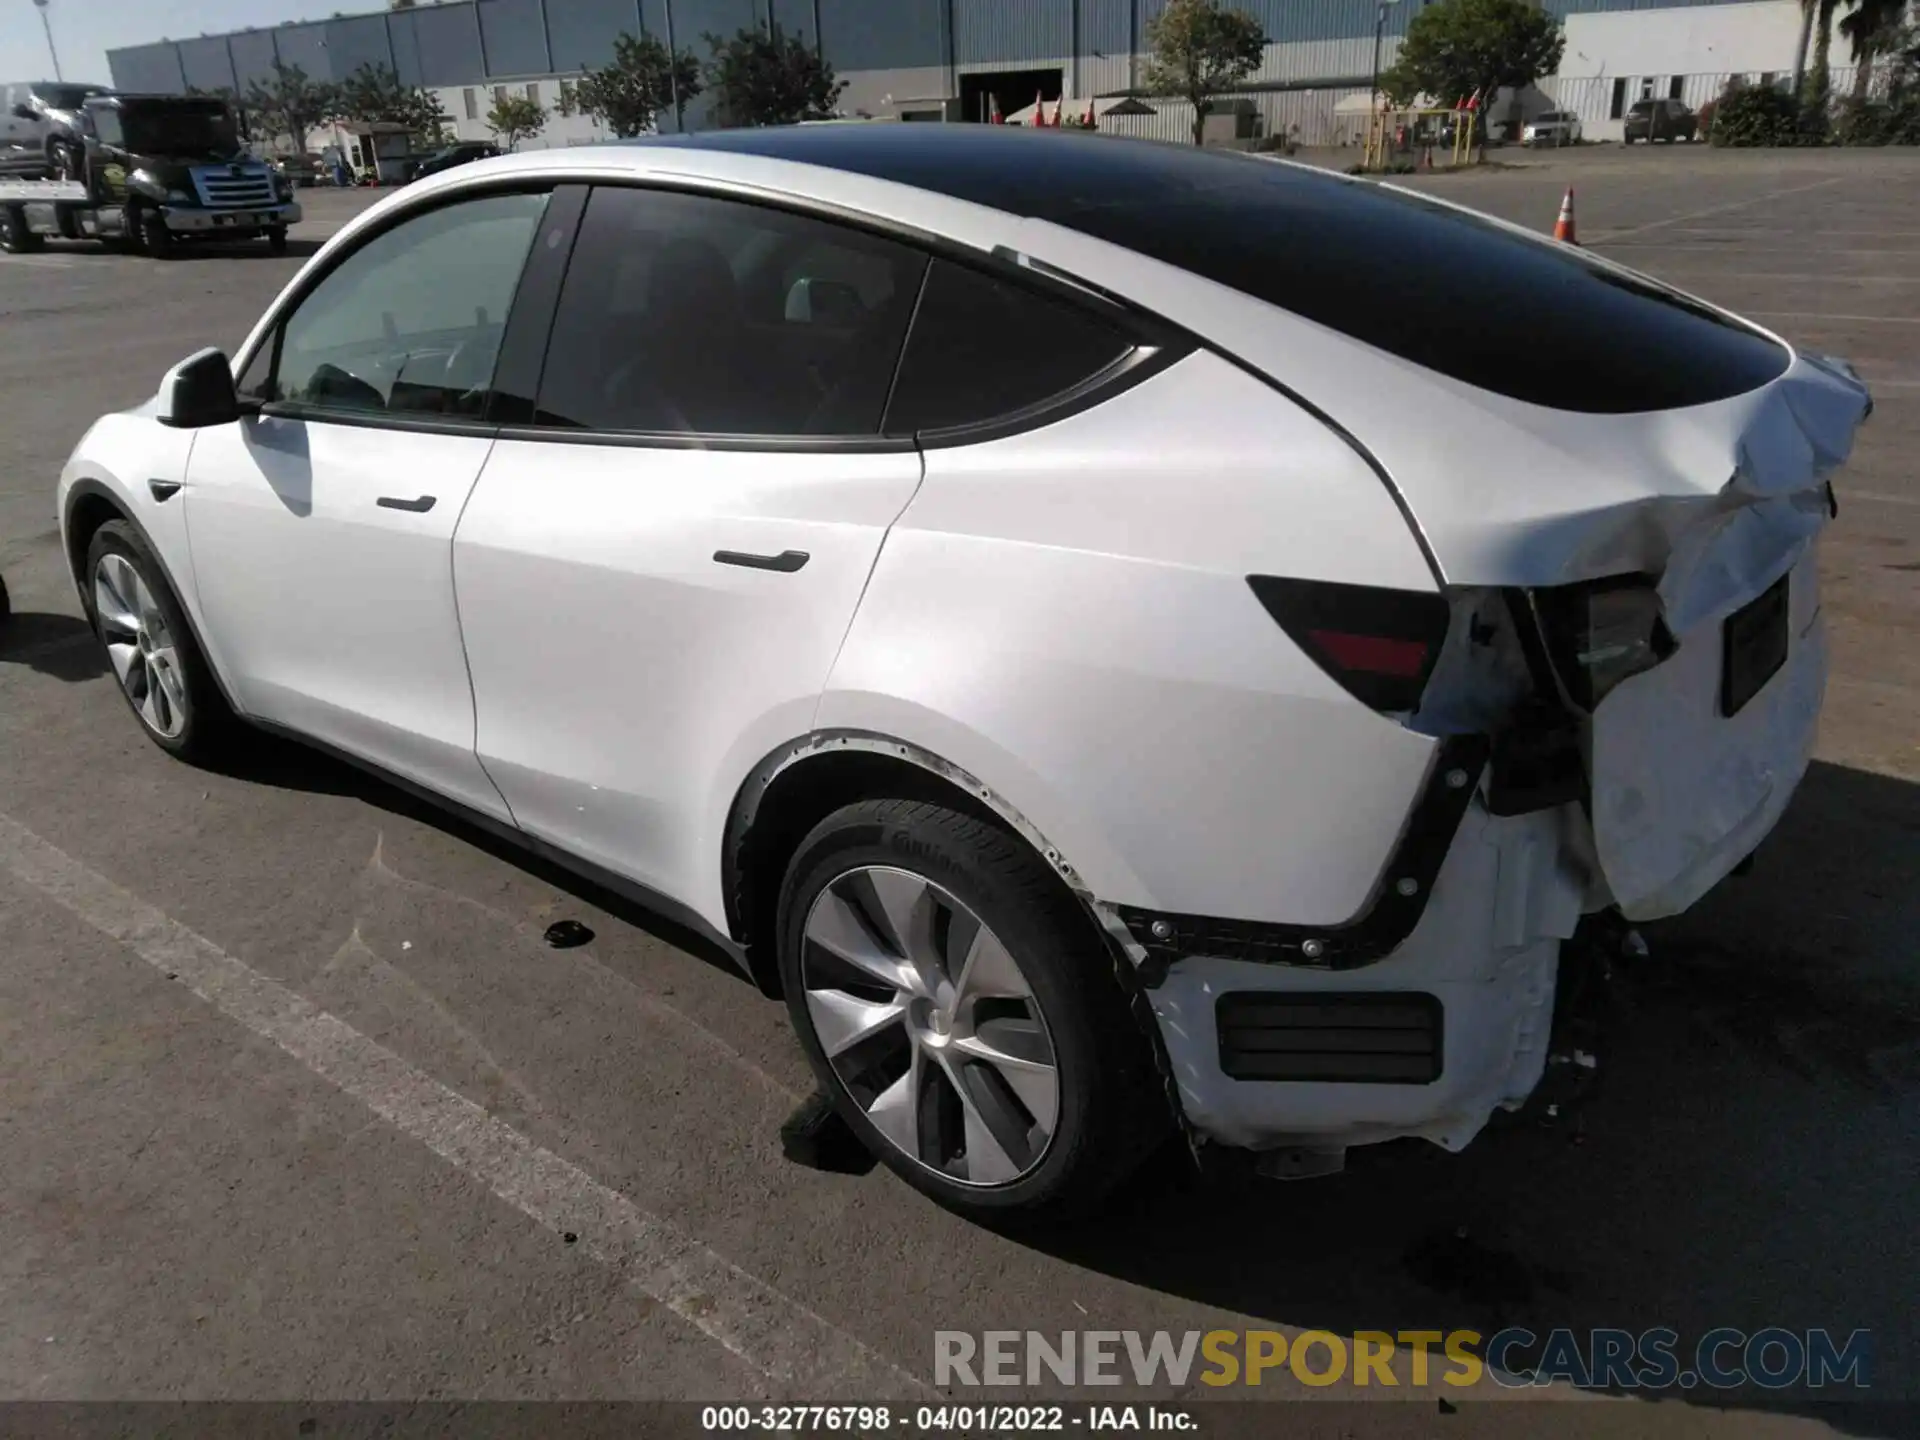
(1563, 227)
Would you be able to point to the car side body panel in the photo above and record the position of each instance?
(626, 679)
(1065, 613)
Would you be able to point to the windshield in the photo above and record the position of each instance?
(66, 97)
(1642, 107)
(180, 130)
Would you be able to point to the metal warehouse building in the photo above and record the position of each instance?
(944, 59)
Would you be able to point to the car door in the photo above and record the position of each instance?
(656, 570)
(322, 527)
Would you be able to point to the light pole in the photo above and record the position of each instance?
(47, 25)
(1373, 102)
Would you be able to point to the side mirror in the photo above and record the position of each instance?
(23, 112)
(199, 392)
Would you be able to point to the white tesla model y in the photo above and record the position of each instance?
(1112, 643)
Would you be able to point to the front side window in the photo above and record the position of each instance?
(984, 348)
(689, 314)
(410, 323)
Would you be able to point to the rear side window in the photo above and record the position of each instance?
(690, 314)
(983, 348)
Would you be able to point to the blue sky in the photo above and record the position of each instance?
(86, 29)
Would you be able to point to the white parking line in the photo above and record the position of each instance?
(768, 1329)
(1726, 209)
(1818, 315)
(1880, 497)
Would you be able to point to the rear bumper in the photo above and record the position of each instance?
(1486, 951)
(191, 221)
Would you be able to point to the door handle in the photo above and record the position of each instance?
(394, 502)
(786, 562)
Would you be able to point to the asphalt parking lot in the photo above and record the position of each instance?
(414, 1152)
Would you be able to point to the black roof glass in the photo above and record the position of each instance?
(1445, 289)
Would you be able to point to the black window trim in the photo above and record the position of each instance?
(274, 330)
(1157, 343)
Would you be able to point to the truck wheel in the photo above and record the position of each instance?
(64, 160)
(155, 239)
(277, 239)
(15, 237)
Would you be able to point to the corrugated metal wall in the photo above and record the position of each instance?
(1328, 41)
(449, 44)
(1564, 8)
(206, 65)
(581, 32)
(253, 56)
(357, 41)
(899, 34)
(515, 37)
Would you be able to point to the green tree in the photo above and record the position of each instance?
(1455, 49)
(373, 95)
(1200, 50)
(765, 78)
(644, 79)
(515, 117)
(1869, 29)
(291, 104)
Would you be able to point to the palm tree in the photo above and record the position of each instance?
(1870, 23)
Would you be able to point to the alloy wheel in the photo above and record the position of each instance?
(140, 646)
(930, 1026)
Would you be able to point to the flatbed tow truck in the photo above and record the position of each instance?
(158, 169)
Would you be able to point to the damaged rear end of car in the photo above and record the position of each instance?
(1620, 490)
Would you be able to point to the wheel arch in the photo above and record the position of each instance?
(91, 503)
(804, 781)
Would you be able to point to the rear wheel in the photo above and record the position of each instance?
(962, 1012)
(15, 237)
(163, 677)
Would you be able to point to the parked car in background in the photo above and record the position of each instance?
(462, 154)
(43, 128)
(1663, 120)
(1552, 127)
(303, 171)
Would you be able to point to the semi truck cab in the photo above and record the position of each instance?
(157, 169)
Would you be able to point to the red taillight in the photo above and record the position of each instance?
(1373, 653)
(1379, 644)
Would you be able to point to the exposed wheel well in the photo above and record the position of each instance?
(90, 511)
(766, 830)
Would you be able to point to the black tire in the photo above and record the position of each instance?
(207, 722)
(1112, 1110)
(64, 161)
(277, 239)
(155, 240)
(15, 237)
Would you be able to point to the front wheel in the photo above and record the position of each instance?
(277, 239)
(163, 677)
(156, 241)
(64, 161)
(963, 1013)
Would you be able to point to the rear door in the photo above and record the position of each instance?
(662, 556)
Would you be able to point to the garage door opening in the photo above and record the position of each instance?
(1014, 89)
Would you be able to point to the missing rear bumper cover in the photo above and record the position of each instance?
(1376, 932)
